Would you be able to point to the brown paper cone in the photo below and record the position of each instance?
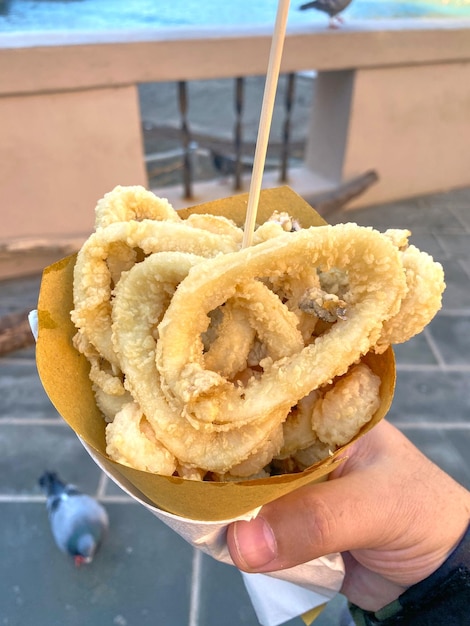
(64, 375)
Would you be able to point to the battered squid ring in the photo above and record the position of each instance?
(257, 308)
(377, 286)
(425, 280)
(222, 355)
(131, 444)
(93, 286)
(217, 224)
(215, 450)
(123, 204)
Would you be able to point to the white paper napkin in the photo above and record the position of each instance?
(276, 597)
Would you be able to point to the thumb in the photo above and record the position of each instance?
(335, 516)
(387, 503)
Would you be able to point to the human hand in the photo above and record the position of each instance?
(392, 513)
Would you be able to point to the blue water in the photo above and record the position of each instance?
(50, 15)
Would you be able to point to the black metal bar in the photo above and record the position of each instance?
(238, 132)
(286, 129)
(186, 139)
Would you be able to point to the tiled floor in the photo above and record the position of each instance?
(145, 574)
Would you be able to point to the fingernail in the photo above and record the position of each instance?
(255, 542)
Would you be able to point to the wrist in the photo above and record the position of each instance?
(441, 598)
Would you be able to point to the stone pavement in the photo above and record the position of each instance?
(145, 575)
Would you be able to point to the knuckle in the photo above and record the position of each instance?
(323, 524)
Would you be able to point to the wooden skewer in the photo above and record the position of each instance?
(267, 108)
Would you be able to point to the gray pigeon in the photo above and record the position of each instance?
(78, 522)
(330, 7)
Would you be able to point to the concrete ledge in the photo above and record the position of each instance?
(92, 60)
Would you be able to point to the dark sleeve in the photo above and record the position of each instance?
(442, 599)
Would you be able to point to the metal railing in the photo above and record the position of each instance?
(230, 158)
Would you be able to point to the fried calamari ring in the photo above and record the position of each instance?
(216, 224)
(253, 307)
(134, 316)
(93, 285)
(233, 339)
(425, 282)
(305, 458)
(259, 458)
(377, 285)
(123, 204)
(130, 440)
(298, 429)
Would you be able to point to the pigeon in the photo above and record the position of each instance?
(223, 163)
(78, 522)
(331, 7)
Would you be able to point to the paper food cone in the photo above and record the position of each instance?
(64, 375)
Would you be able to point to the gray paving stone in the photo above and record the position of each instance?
(448, 450)
(428, 242)
(415, 215)
(26, 451)
(460, 440)
(141, 576)
(452, 337)
(21, 391)
(447, 200)
(224, 599)
(16, 295)
(431, 396)
(455, 245)
(457, 292)
(461, 209)
(414, 351)
(465, 264)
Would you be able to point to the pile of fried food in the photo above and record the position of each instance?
(211, 361)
